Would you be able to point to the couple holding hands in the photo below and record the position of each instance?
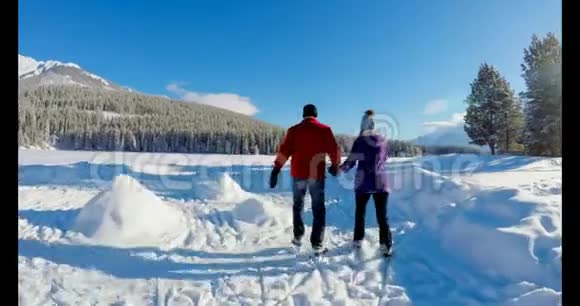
(308, 143)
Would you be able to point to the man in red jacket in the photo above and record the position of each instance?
(308, 143)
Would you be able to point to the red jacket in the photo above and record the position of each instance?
(308, 143)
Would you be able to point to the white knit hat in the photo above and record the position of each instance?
(367, 123)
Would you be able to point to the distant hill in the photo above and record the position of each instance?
(84, 118)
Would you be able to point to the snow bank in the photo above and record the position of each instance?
(512, 234)
(127, 214)
(521, 225)
(424, 196)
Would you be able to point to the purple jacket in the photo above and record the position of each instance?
(371, 154)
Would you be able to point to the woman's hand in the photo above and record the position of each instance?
(344, 167)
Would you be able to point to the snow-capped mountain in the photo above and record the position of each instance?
(33, 73)
(451, 136)
(445, 133)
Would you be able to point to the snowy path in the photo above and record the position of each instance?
(489, 235)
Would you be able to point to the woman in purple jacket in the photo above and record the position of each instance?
(369, 151)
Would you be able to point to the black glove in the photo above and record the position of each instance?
(274, 177)
(333, 170)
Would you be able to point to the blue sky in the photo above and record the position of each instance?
(411, 61)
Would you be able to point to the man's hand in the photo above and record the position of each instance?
(333, 170)
(274, 177)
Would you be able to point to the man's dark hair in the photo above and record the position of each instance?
(309, 110)
(370, 112)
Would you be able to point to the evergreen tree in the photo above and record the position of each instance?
(493, 117)
(542, 71)
(513, 124)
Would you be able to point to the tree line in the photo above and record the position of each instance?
(529, 122)
(77, 118)
(80, 118)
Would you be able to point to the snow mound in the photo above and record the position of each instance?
(229, 189)
(224, 189)
(245, 208)
(127, 214)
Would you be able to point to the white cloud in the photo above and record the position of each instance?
(455, 121)
(229, 101)
(435, 107)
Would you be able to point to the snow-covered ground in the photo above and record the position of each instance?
(101, 228)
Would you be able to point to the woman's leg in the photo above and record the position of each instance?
(381, 200)
(359, 217)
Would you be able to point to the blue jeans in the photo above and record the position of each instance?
(316, 190)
